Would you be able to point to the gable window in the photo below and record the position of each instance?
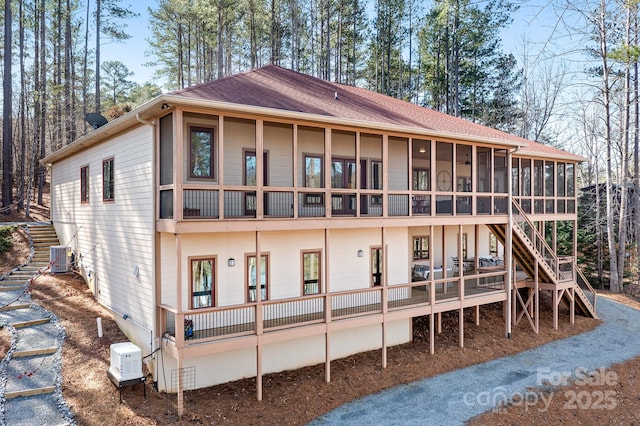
(376, 266)
(107, 180)
(202, 283)
(311, 265)
(201, 145)
(84, 184)
(420, 248)
(252, 280)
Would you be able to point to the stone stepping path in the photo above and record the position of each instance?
(30, 374)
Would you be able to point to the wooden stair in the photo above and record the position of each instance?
(527, 256)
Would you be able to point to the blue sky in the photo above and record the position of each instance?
(534, 21)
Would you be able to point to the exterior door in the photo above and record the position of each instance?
(343, 175)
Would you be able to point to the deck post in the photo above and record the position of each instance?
(477, 314)
(439, 327)
(432, 343)
(327, 311)
(384, 298)
(259, 369)
(572, 314)
(461, 322)
(555, 309)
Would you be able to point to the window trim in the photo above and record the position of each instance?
(212, 159)
(214, 280)
(85, 195)
(111, 178)
(267, 274)
(303, 253)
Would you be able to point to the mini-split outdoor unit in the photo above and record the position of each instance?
(126, 361)
(58, 257)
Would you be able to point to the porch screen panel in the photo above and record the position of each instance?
(398, 164)
(538, 178)
(548, 178)
(484, 169)
(463, 168)
(500, 173)
(166, 150)
(570, 181)
(444, 166)
(278, 142)
(421, 163)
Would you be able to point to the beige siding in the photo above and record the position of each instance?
(239, 135)
(278, 143)
(115, 237)
(399, 163)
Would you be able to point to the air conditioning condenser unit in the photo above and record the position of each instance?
(58, 258)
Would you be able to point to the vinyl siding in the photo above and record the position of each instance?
(112, 237)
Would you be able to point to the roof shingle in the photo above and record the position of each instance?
(282, 89)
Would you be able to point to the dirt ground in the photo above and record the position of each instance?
(295, 397)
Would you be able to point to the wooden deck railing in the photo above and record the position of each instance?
(208, 324)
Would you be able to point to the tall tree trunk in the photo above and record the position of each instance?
(615, 279)
(85, 69)
(23, 110)
(7, 119)
(98, 11)
(43, 103)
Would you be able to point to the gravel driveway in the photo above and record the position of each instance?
(455, 397)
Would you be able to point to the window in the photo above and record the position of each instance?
(251, 278)
(202, 283)
(420, 179)
(311, 273)
(313, 172)
(465, 251)
(201, 141)
(376, 174)
(376, 266)
(420, 248)
(493, 245)
(84, 184)
(107, 180)
(343, 173)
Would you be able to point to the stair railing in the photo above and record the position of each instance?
(529, 230)
(585, 286)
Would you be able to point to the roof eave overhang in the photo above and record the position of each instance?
(150, 111)
(560, 155)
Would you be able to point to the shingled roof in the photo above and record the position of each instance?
(282, 89)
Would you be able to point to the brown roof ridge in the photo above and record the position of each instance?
(276, 87)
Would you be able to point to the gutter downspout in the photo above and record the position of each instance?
(154, 319)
